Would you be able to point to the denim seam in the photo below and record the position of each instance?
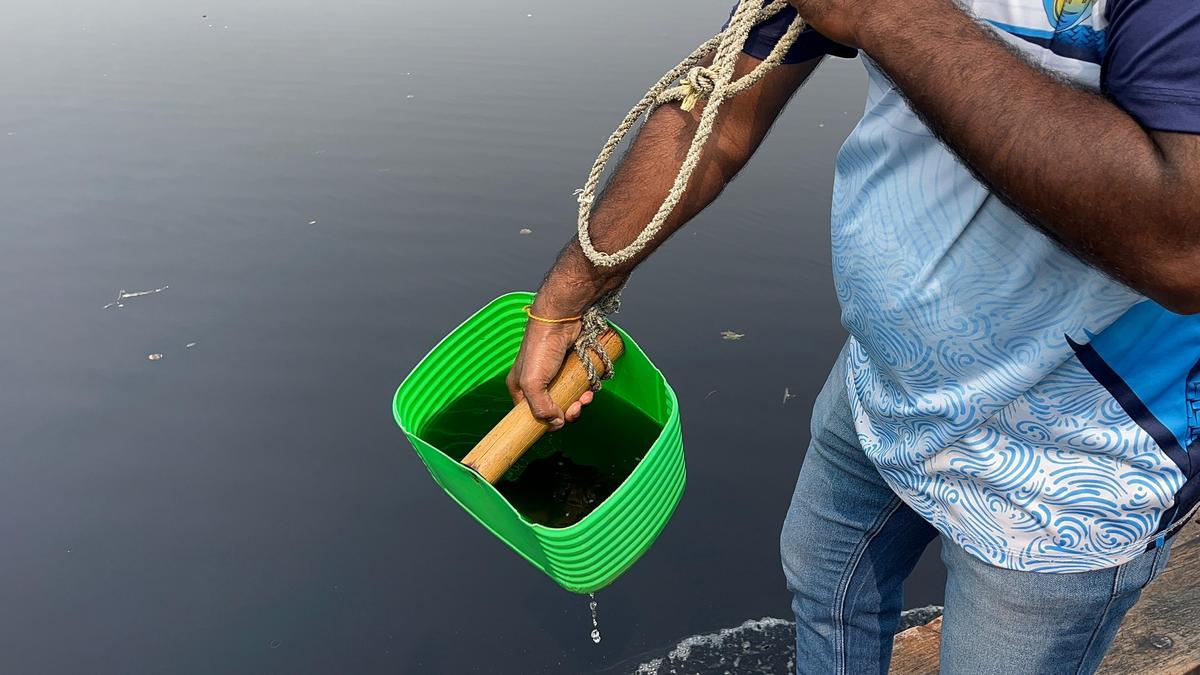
(1159, 565)
(848, 575)
(1100, 623)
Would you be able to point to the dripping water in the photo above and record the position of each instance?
(595, 626)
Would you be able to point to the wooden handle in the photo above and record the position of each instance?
(493, 456)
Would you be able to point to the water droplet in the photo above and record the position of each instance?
(595, 626)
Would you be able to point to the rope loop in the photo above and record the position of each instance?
(714, 83)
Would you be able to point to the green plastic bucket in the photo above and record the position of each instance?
(591, 553)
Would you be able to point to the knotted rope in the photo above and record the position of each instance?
(595, 322)
(715, 84)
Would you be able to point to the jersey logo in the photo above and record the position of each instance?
(1070, 36)
(1066, 14)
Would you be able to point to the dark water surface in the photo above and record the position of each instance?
(327, 189)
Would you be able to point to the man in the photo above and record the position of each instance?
(1016, 244)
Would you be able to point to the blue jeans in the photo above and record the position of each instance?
(849, 542)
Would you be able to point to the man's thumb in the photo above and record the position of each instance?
(544, 408)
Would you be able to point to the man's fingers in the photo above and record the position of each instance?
(576, 408)
(573, 411)
(513, 383)
(543, 407)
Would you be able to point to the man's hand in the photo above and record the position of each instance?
(541, 357)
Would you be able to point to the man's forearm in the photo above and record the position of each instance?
(645, 175)
(628, 202)
(1072, 161)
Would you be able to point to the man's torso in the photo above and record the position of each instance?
(1034, 410)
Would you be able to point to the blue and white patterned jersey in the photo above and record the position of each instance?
(1038, 413)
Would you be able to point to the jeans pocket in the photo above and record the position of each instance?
(1161, 557)
(1136, 574)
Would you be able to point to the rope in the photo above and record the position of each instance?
(715, 84)
(595, 322)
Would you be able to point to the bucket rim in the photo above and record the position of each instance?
(618, 494)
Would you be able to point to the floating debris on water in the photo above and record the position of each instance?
(154, 357)
(766, 645)
(138, 294)
(123, 295)
(312, 222)
(710, 394)
(730, 335)
(595, 626)
(526, 230)
(650, 667)
(787, 395)
(409, 96)
(190, 345)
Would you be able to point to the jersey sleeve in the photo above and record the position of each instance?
(1151, 67)
(809, 44)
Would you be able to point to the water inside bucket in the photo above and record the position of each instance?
(566, 474)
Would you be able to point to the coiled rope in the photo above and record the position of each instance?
(715, 84)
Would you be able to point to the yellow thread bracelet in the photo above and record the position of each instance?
(539, 319)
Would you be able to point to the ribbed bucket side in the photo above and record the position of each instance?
(591, 553)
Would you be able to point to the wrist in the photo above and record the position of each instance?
(573, 285)
(561, 297)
